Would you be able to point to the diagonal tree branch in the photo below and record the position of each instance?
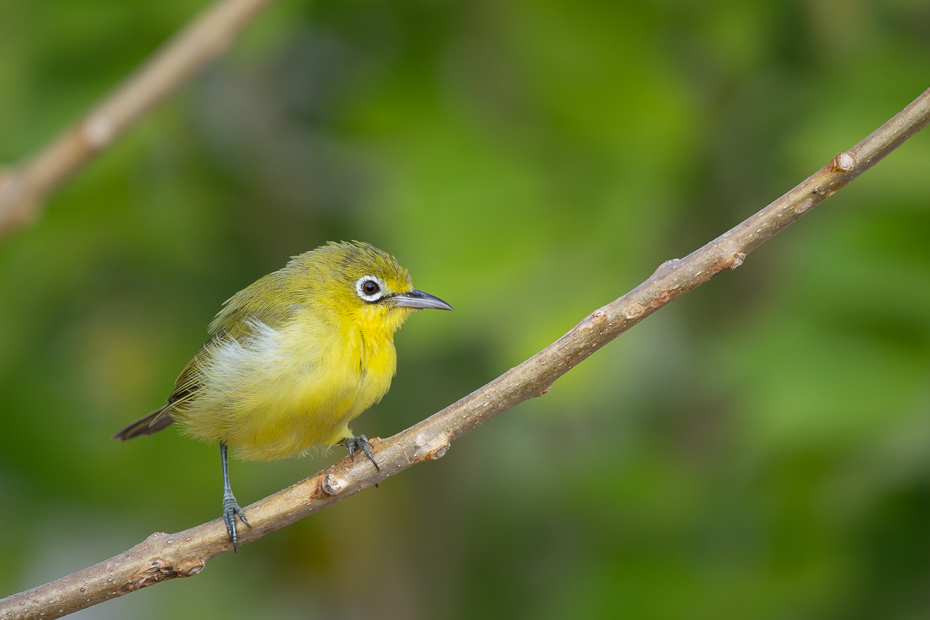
(25, 188)
(166, 556)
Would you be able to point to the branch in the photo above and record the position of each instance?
(166, 556)
(25, 188)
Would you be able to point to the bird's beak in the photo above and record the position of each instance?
(419, 299)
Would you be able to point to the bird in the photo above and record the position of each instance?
(292, 359)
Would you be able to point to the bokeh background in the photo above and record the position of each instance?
(758, 449)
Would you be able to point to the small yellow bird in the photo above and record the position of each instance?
(293, 358)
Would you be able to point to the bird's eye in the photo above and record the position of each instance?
(369, 288)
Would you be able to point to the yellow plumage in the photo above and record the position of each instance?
(295, 356)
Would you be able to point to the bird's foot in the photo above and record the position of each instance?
(231, 510)
(360, 443)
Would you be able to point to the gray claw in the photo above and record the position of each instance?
(231, 510)
(360, 443)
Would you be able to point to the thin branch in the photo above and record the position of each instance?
(24, 189)
(166, 556)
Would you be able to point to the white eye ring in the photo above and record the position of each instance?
(363, 286)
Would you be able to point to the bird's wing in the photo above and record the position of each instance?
(270, 300)
(236, 321)
(186, 385)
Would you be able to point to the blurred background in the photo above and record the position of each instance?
(758, 449)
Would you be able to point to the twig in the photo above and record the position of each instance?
(166, 556)
(25, 188)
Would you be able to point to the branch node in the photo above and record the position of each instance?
(633, 311)
(734, 260)
(16, 208)
(805, 206)
(660, 299)
(665, 266)
(160, 569)
(98, 131)
(844, 162)
(332, 485)
(433, 449)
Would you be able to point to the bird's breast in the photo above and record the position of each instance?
(281, 392)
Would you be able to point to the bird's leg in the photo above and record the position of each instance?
(230, 505)
(360, 443)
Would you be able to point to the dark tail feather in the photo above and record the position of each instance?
(149, 425)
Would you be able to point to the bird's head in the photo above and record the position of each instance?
(359, 280)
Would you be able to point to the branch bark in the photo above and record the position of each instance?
(24, 189)
(166, 556)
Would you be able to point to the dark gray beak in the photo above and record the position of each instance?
(419, 299)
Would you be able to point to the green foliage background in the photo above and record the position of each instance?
(759, 449)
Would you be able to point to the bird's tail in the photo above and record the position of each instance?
(149, 425)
